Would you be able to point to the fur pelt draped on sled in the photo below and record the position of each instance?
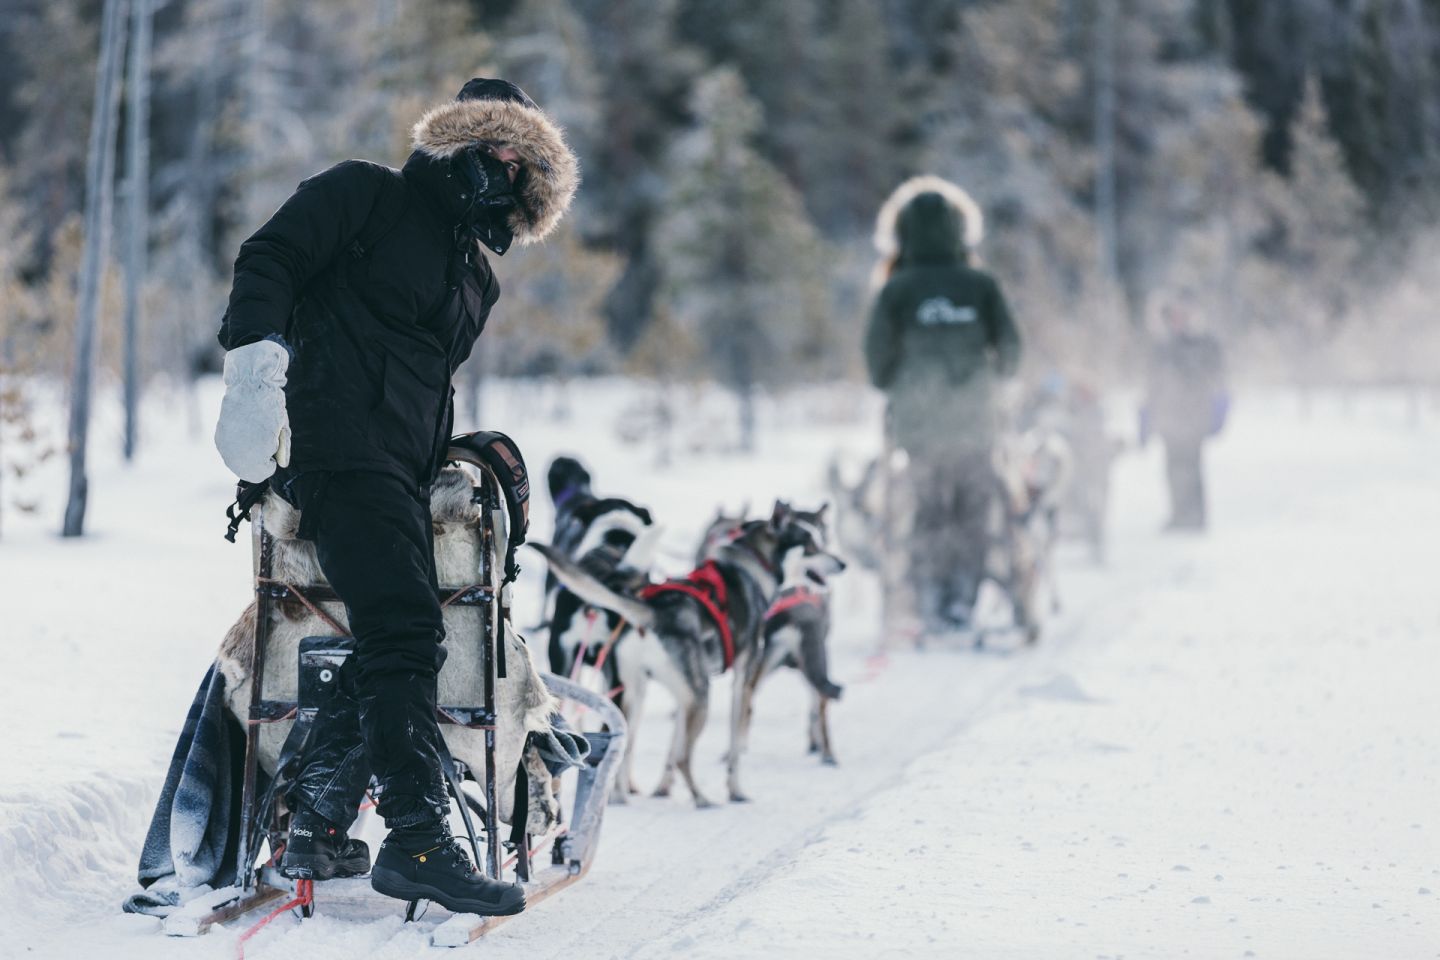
(523, 705)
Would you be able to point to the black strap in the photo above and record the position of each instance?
(389, 208)
(520, 810)
(247, 494)
(452, 779)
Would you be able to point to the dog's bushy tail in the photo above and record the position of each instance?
(592, 591)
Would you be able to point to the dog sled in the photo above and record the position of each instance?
(543, 862)
(1030, 474)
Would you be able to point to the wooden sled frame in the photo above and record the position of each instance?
(572, 847)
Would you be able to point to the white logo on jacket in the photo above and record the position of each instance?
(938, 310)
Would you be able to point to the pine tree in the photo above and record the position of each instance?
(645, 76)
(743, 265)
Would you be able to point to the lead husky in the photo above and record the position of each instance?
(797, 632)
(797, 625)
(680, 644)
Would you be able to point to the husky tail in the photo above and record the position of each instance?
(592, 591)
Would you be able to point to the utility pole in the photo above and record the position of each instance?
(100, 171)
(137, 159)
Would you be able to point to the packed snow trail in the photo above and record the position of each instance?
(1224, 745)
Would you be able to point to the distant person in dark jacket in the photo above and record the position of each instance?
(351, 310)
(1187, 403)
(940, 336)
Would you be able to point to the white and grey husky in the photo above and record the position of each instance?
(683, 632)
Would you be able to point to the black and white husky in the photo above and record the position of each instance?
(613, 539)
(675, 639)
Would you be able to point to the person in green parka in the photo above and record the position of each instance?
(940, 337)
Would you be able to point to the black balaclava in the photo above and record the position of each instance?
(492, 195)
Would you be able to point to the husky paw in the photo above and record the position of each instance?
(829, 760)
(737, 797)
(661, 791)
(703, 803)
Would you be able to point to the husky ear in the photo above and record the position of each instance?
(820, 514)
(780, 515)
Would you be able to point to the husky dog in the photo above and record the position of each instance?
(523, 705)
(860, 512)
(796, 634)
(722, 529)
(680, 643)
(614, 540)
(797, 625)
(1033, 470)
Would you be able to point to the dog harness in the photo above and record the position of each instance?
(707, 587)
(792, 598)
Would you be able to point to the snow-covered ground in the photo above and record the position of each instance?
(1226, 746)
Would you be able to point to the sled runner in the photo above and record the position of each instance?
(498, 494)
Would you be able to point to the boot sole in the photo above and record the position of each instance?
(392, 884)
(303, 867)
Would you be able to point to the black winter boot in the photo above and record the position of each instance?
(428, 863)
(317, 850)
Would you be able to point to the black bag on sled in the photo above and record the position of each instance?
(501, 454)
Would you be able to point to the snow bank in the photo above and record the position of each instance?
(1225, 746)
(54, 844)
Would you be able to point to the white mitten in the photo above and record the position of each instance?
(253, 434)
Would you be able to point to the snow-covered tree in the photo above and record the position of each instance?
(743, 265)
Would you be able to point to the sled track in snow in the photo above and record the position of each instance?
(660, 853)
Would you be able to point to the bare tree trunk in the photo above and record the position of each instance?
(138, 200)
(98, 199)
(1106, 216)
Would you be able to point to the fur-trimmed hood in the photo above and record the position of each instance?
(551, 171)
(891, 224)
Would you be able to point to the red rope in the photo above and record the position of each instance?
(546, 840)
(304, 896)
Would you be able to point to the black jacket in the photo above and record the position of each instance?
(376, 334)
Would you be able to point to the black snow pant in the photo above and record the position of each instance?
(374, 540)
(1184, 469)
(954, 494)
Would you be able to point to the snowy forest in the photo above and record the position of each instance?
(1281, 157)
(1095, 617)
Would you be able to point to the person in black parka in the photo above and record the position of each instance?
(939, 339)
(351, 310)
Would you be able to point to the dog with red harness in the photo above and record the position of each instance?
(683, 632)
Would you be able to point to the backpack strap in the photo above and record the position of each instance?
(385, 212)
(389, 207)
